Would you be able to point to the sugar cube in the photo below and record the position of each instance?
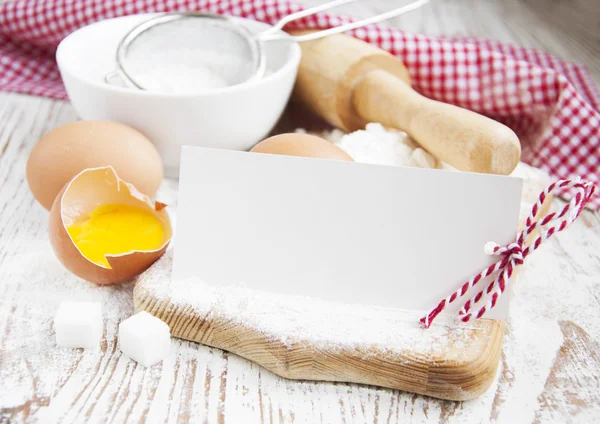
(145, 338)
(79, 324)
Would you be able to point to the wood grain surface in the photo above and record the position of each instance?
(550, 365)
(460, 366)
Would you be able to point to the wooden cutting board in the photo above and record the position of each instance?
(458, 366)
(461, 365)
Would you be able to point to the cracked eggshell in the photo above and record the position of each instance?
(85, 192)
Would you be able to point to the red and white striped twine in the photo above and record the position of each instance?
(515, 253)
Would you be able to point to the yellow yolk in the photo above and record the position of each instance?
(116, 229)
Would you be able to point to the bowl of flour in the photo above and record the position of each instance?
(193, 108)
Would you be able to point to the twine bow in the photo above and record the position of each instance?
(514, 254)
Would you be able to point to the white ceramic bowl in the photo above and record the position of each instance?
(235, 117)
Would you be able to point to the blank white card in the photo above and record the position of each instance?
(355, 233)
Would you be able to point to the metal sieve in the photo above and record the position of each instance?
(217, 50)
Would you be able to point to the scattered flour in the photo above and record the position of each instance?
(292, 320)
(64, 385)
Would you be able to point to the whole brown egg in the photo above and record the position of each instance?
(299, 144)
(67, 150)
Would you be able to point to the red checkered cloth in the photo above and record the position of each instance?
(553, 106)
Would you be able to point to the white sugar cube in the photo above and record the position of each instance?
(145, 338)
(79, 324)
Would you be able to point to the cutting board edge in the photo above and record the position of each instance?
(439, 378)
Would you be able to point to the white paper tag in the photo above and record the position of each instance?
(350, 232)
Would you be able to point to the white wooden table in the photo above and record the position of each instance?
(550, 368)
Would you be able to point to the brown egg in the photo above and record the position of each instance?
(297, 144)
(65, 151)
(90, 189)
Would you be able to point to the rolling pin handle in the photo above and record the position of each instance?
(462, 138)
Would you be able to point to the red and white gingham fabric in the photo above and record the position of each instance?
(553, 106)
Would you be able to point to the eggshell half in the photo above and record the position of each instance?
(298, 144)
(88, 190)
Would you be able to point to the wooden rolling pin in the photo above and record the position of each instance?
(351, 83)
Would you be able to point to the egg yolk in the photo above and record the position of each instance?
(116, 229)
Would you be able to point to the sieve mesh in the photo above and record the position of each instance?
(189, 53)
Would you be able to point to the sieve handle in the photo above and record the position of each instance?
(273, 33)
